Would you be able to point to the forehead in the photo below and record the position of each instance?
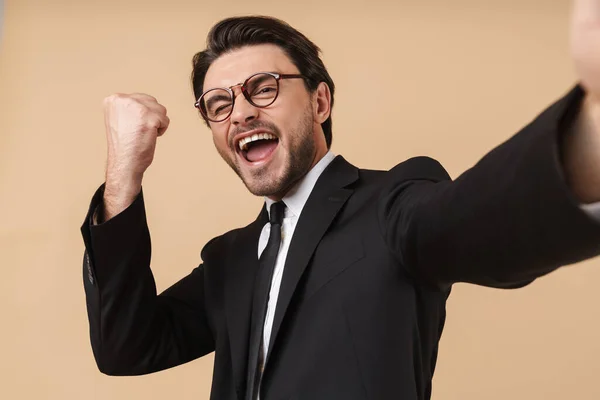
(235, 66)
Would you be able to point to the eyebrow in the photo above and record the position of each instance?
(237, 84)
(264, 78)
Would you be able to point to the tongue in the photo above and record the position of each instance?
(260, 150)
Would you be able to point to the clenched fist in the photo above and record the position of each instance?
(133, 123)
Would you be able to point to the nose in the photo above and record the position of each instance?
(243, 112)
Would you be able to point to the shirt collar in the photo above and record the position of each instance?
(297, 196)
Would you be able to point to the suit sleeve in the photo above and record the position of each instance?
(503, 223)
(133, 330)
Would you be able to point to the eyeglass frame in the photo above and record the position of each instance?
(247, 96)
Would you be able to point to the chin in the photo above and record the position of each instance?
(265, 180)
(260, 187)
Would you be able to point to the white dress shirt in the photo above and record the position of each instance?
(294, 201)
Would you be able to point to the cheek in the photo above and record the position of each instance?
(286, 119)
(219, 135)
(299, 123)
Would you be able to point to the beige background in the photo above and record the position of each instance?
(452, 79)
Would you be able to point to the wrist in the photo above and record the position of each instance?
(122, 187)
(119, 192)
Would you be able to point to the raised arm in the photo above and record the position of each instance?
(133, 331)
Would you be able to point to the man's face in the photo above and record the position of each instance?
(294, 141)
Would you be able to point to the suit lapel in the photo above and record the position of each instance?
(326, 200)
(241, 272)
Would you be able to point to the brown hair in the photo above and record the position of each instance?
(233, 33)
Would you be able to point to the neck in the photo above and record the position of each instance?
(279, 196)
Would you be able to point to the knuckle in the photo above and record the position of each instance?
(144, 96)
(110, 99)
(120, 100)
(153, 122)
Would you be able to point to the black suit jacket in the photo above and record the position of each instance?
(362, 301)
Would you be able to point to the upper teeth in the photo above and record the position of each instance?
(243, 143)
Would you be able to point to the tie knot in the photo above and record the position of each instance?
(276, 213)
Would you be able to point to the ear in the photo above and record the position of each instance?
(322, 103)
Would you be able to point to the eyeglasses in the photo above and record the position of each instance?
(261, 90)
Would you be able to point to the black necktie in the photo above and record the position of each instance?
(260, 300)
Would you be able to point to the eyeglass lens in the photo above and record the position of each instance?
(217, 104)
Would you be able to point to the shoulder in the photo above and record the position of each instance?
(415, 168)
(218, 246)
(215, 246)
(420, 168)
(221, 245)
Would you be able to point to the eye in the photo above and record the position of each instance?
(264, 91)
(222, 109)
(217, 102)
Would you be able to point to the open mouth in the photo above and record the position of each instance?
(257, 148)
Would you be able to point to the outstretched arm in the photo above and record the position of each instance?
(517, 214)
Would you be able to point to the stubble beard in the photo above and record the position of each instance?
(298, 159)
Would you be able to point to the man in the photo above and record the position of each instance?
(337, 290)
